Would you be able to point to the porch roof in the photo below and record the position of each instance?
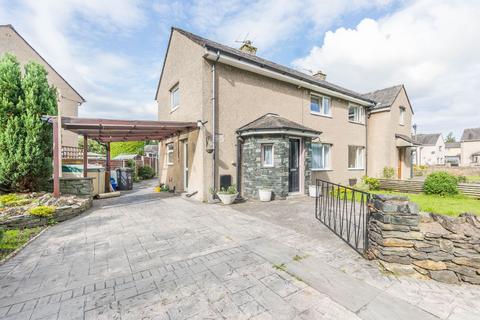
(112, 130)
(273, 123)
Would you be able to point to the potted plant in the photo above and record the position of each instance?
(312, 190)
(227, 195)
(211, 195)
(265, 194)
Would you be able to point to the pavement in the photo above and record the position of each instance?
(149, 255)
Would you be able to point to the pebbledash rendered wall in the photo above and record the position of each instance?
(255, 176)
(432, 246)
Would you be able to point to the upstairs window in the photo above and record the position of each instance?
(170, 154)
(267, 155)
(175, 97)
(356, 114)
(320, 105)
(320, 156)
(401, 119)
(356, 156)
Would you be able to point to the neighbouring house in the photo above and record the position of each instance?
(264, 125)
(68, 98)
(389, 138)
(431, 149)
(453, 151)
(470, 145)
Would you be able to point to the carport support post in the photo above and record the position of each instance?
(107, 168)
(85, 156)
(56, 158)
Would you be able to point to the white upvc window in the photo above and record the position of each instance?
(267, 155)
(356, 114)
(175, 97)
(320, 105)
(401, 119)
(320, 156)
(170, 154)
(356, 156)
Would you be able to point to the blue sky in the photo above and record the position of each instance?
(112, 51)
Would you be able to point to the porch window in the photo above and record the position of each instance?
(356, 114)
(320, 105)
(175, 97)
(320, 156)
(170, 154)
(402, 116)
(267, 155)
(356, 156)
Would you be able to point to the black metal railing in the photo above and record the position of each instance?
(345, 211)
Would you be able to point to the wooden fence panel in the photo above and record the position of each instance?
(416, 186)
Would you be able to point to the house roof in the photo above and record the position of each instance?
(405, 138)
(471, 134)
(254, 59)
(427, 139)
(450, 145)
(272, 121)
(384, 97)
(45, 61)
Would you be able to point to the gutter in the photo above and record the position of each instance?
(238, 63)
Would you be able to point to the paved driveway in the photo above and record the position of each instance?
(153, 256)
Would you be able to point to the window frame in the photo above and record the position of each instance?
(321, 104)
(362, 157)
(262, 155)
(174, 89)
(401, 117)
(326, 160)
(169, 153)
(360, 114)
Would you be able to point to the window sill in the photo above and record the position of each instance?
(356, 169)
(321, 114)
(169, 164)
(268, 167)
(320, 170)
(355, 122)
(174, 109)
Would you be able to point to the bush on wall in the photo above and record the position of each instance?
(440, 183)
(388, 172)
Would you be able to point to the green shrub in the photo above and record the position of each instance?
(388, 172)
(440, 183)
(164, 188)
(228, 190)
(2, 233)
(462, 179)
(7, 199)
(371, 182)
(42, 211)
(146, 172)
(419, 170)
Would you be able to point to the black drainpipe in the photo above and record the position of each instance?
(239, 164)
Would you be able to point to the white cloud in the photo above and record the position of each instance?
(430, 46)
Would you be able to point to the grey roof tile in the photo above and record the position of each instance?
(274, 121)
(384, 97)
(427, 139)
(471, 134)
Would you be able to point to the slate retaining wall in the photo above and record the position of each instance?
(432, 246)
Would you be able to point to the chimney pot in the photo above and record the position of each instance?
(320, 75)
(248, 47)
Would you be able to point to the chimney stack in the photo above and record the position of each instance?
(248, 47)
(320, 75)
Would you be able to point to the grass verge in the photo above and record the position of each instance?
(14, 239)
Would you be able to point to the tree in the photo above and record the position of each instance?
(450, 137)
(25, 140)
(93, 146)
(128, 147)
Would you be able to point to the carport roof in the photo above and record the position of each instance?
(112, 130)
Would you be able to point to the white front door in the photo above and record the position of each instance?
(185, 166)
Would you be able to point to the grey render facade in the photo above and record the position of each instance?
(307, 128)
(68, 98)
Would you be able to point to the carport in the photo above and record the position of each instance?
(106, 131)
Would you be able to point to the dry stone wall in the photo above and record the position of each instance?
(407, 242)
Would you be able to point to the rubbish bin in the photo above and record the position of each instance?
(125, 178)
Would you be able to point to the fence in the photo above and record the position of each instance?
(345, 211)
(416, 186)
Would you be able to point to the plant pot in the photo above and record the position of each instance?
(312, 191)
(265, 195)
(227, 198)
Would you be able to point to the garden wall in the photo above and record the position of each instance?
(61, 214)
(432, 246)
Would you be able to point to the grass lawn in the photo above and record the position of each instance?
(451, 206)
(13, 239)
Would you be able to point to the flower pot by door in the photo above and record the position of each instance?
(265, 195)
(227, 198)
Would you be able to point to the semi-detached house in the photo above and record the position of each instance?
(264, 125)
